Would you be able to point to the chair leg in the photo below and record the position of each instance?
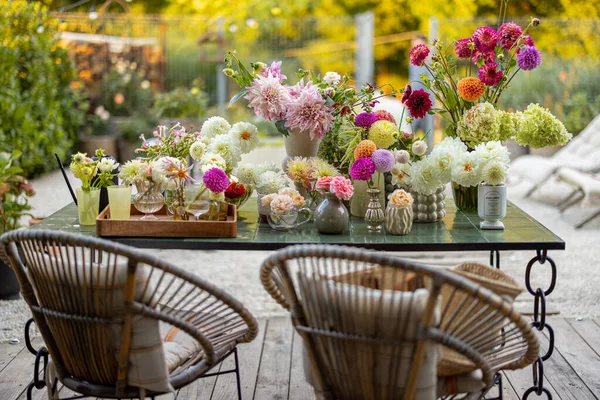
(237, 374)
(586, 221)
(567, 203)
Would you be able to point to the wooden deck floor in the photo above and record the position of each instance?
(272, 367)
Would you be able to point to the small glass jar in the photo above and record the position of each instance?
(148, 199)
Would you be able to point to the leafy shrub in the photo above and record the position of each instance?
(40, 113)
(131, 128)
(125, 92)
(181, 103)
(14, 190)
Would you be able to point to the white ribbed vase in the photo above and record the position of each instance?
(398, 221)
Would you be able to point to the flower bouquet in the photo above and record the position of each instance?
(148, 181)
(331, 216)
(266, 178)
(305, 173)
(285, 208)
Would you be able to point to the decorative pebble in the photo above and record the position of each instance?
(14, 341)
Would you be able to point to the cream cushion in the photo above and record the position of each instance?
(383, 314)
(76, 276)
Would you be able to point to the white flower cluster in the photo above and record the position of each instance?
(222, 145)
(488, 163)
(266, 177)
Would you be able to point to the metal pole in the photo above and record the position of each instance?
(364, 58)
(221, 82)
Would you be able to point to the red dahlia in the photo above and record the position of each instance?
(235, 190)
(418, 103)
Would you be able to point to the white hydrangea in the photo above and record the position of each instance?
(247, 174)
(214, 126)
(197, 150)
(423, 177)
(466, 170)
(271, 182)
(227, 147)
(246, 134)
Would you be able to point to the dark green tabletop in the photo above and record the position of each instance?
(458, 231)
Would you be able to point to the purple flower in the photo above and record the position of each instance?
(365, 120)
(485, 39)
(489, 74)
(362, 169)
(463, 49)
(529, 58)
(407, 93)
(384, 160)
(216, 180)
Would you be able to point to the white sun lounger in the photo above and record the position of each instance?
(582, 154)
(586, 190)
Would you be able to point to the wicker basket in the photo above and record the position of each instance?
(491, 278)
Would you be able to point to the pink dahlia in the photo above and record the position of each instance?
(485, 39)
(418, 54)
(464, 48)
(216, 180)
(386, 115)
(365, 120)
(508, 34)
(487, 57)
(407, 93)
(323, 183)
(274, 70)
(489, 74)
(308, 112)
(529, 58)
(418, 103)
(341, 187)
(362, 169)
(268, 98)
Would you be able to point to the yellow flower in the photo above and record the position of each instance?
(383, 134)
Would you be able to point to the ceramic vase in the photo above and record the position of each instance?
(429, 208)
(398, 221)
(88, 204)
(465, 197)
(491, 205)
(148, 199)
(331, 216)
(299, 144)
(374, 216)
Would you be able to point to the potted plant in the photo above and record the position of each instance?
(183, 105)
(98, 133)
(14, 190)
(130, 130)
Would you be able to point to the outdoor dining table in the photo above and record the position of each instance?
(457, 231)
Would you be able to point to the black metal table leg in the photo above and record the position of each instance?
(539, 321)
(41, 354)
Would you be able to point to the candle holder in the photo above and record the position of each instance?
(491, 205)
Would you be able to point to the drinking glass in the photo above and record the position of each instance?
(119, 199)
(197, 201)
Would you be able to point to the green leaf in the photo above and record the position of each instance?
(280, 125)
(238, 96)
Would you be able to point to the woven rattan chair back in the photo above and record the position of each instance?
(85, 293)
(374, 325)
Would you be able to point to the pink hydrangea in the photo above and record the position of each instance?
(268, 98)
(463, 48)
(418, 54)
(508, 34)
(485, 39)
(489, 74)
(309, 113)
(341, 187)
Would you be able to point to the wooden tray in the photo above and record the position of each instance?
(165, 226)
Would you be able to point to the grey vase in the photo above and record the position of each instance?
(429, 208)
(331, 216)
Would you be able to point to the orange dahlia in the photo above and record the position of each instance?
(364, 149)
(470, 88)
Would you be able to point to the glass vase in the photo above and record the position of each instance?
(374, 216)
(88, 203)
(175, 202)
(465, 197)
(119, 199)
(148, 199)
(240, 201)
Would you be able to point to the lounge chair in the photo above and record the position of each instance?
(118, 323)
(586, 190)
(582, 153)
(376, 326)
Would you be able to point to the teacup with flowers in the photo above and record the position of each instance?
(399, 213)
(286, 209)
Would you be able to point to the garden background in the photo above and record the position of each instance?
(119, 69)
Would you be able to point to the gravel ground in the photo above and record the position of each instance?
(576, 293)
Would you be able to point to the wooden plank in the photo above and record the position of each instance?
(274, 372)
(199, 389)
(508, 391)
(8, 352)
(588, 331)
(299, 388)
(580, 356)
(249, 356)
(17, 375)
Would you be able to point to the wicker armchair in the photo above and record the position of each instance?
(108, 313)
(380, 327)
